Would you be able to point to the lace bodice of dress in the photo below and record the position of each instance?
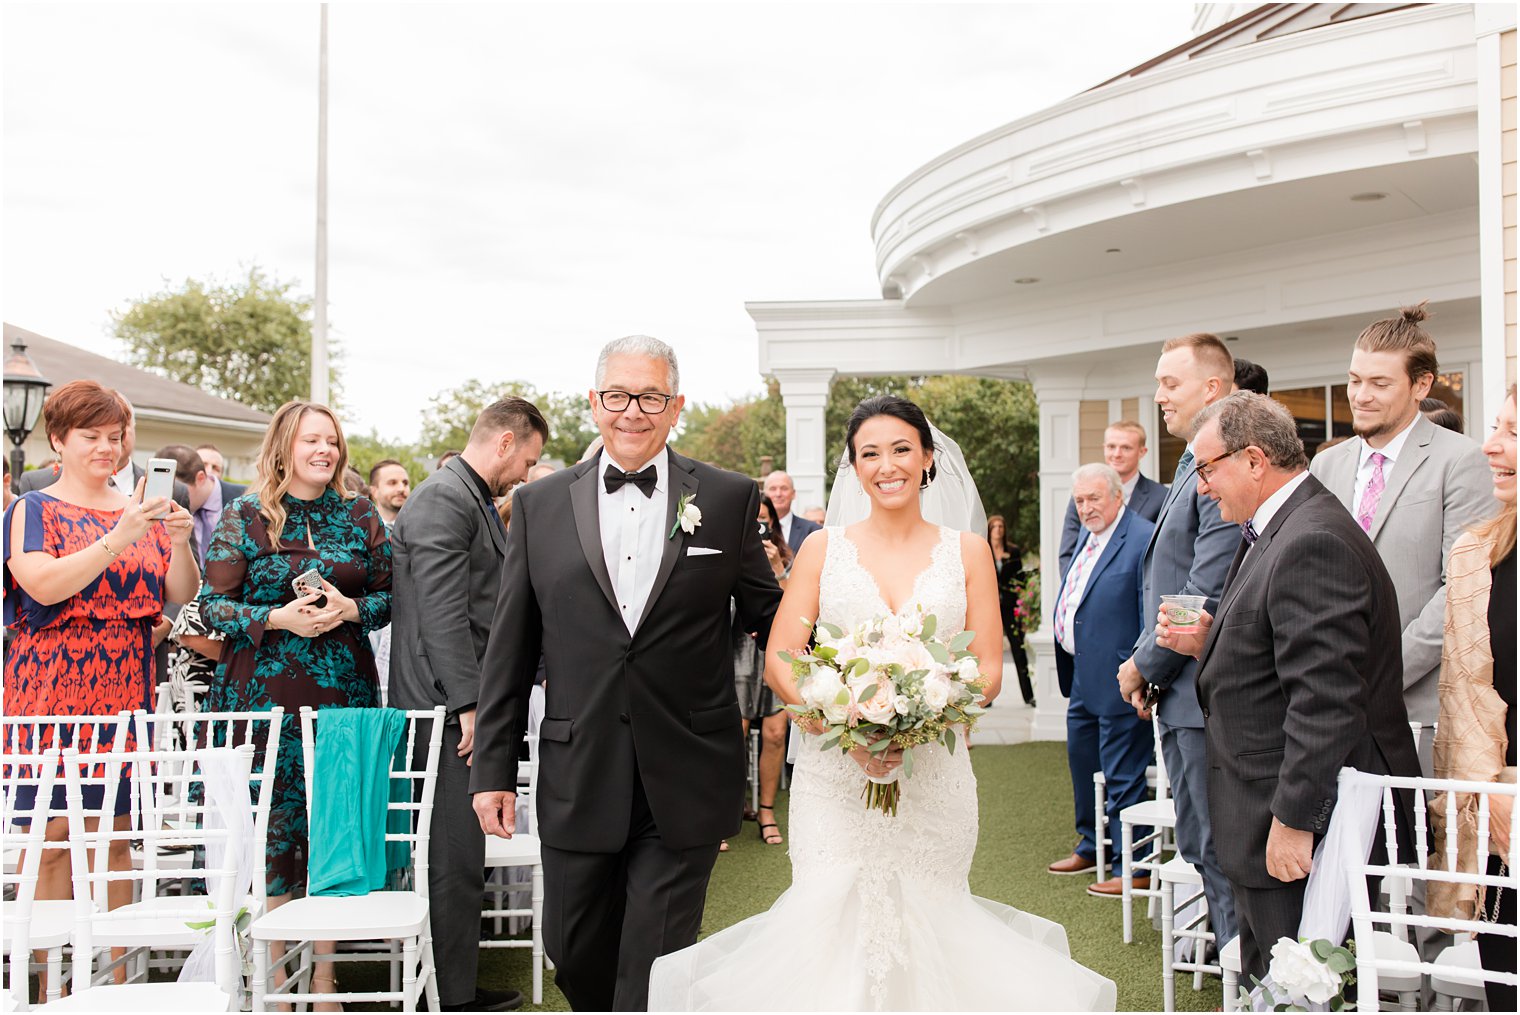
(848, 594)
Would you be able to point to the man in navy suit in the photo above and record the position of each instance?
(1097, 619)
(794, 527)
(1123, 448)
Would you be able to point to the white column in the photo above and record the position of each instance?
(1059, 395)
(805, 393)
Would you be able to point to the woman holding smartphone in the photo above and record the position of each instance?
(291, 642)
(87, 571)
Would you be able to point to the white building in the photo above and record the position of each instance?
(1292, 173)
(166, 412)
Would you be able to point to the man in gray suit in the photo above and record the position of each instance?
(446, 546)
(1298, 674)
(1412, 486)
(1189, 554)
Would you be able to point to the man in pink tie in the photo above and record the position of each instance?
(1413, 487)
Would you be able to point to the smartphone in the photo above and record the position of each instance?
(307, 582)
(160, 480)
(765, 530)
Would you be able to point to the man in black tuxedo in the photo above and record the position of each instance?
(794, 527)
(620, 570)
(1300, 672)
(1123, 448)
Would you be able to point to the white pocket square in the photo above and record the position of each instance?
(700, 551)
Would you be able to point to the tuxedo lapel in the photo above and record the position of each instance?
(588, 528)
(682, 485)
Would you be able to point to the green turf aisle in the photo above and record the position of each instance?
(1026, 823)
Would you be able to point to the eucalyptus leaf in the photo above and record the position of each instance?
(859, 665)
(1340, 961)
(860, 738)
(960, 641)
(1320, 949)
(927, 631)
(869, 692)
(842, 698)
(786, 657)
(949, 739)
(832, 740)
(825, 652)
(938, 652)
(830, 629)
(884, 744)
(907, 763)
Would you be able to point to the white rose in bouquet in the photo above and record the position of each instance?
(912, 625)
(880, 707)
(936, 691)
(822, 691)
(1295, 969)
(968, 670)
(915, 656)
(901, 705)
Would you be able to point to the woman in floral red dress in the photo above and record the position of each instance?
(87, 569)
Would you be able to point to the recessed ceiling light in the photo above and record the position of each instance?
(1025, 281)
(1232, 338)
(1370, 195)
(1113, 250)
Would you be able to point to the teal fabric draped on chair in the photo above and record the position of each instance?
(351, 788)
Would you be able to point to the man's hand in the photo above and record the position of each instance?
(1290, 852)
(1190, 644)
(496, 812)
(466, 732)
(1132, 686)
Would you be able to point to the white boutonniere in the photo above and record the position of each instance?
(688, 516)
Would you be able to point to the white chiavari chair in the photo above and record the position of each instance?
(153, 921)
(523, 850)
(47, 925)
(400, 915)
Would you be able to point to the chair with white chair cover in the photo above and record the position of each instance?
(26, 925)
(52, 920)
(400, 915)
(160, 803)
(1142, 856)
(522, 850)
(1458, 975)
(221, 840)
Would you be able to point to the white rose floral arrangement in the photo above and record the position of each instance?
(888, 683)
(1306, 975)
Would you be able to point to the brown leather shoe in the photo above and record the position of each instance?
(1073, 864)
(1113, 888)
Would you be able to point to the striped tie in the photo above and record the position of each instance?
(1065, 607)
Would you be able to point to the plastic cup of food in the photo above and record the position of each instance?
(1183, 612)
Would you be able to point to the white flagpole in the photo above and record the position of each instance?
(319, 369)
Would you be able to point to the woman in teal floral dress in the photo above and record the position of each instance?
(284, 649)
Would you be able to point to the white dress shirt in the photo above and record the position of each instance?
(1129, 487)
(1099, 541)
(786, 528)
(124, 482)
(1390, 452)
(1269, 507)
(632, 540)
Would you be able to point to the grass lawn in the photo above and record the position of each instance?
(1026, 822)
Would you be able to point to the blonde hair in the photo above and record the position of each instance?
(1499, 531)
(274, 463)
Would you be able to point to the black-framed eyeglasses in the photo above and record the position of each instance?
(652, 402)
(1204, 468)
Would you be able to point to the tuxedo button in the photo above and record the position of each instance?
(622, 717)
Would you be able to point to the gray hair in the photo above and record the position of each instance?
(1103, 471)
(1248, 420)
(639, 345)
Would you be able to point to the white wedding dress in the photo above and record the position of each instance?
(879, 915)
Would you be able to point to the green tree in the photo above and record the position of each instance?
(365, 449)
(450, 414)
(737, 436)
(249, 340)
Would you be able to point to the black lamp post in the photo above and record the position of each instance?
(25, 388)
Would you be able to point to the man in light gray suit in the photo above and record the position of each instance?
(1412, 486)
(1190, 554)
(447, 545)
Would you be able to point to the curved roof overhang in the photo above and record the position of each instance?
(1263, 144)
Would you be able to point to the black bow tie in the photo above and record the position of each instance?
(1248, 531)
(615, 479)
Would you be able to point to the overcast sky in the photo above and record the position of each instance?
(511, 185)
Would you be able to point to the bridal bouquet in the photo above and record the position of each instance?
(888, 683)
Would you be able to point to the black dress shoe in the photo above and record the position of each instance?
(489, 1000)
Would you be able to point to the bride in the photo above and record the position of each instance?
(879, 914)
